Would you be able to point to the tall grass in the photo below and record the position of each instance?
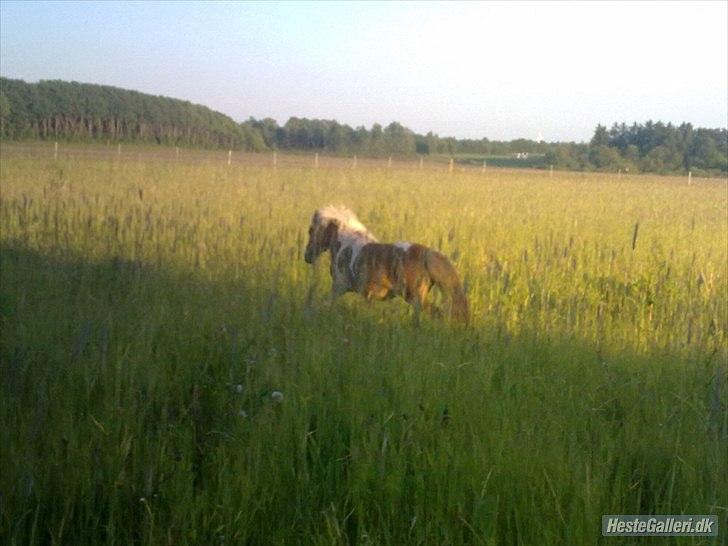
(174, 373)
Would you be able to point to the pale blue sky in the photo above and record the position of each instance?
(500, 70)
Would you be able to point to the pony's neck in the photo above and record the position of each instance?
(354, 239)
(351, 237)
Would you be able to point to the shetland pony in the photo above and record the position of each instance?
(377, 271)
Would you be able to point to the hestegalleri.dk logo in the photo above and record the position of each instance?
(645, 525)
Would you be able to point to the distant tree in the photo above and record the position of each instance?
(376, 140)
(708, 150)
(268, 130)
(336, 138)
(398, 140)
(433, 143)
(253, 139)
(601, 136)
(421, 146)
(360, 139)
(603, 157)
(4, 112)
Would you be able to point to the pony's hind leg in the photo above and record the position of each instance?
(376, 291)
(416, 296)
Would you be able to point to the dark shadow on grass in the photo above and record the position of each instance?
(97, 356)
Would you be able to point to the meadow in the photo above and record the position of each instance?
(172, 372)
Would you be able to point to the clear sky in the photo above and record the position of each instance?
(499, 70)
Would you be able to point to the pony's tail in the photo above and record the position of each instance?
(460, 308)
(445, 277)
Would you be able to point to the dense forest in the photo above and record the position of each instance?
(81, 112)
(53, 110)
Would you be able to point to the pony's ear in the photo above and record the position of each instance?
(329, 236)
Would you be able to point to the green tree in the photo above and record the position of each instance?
(4, 112)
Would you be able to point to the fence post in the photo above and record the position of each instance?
(353, 165)
(230, 157)
(315, 161)
(275, 160)
(452, 165)
(484, 165)
(55, 151)
(690, 177)
(551, 171)
(422, 161)
(389, 162)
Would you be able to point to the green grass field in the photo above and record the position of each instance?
(173, 372)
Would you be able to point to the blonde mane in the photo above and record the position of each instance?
(346, 219)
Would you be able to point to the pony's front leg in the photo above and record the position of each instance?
(337, 291)
(339, 287)
(335, 294)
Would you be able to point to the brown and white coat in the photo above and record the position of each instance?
(359, 263)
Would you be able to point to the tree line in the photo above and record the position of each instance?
(53, 110)
(648, 147)
(393, 139)
(58, 110)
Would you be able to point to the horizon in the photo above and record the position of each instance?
(306, 70)
(384, 123)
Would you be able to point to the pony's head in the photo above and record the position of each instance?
(326, 224)
(321, 235)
